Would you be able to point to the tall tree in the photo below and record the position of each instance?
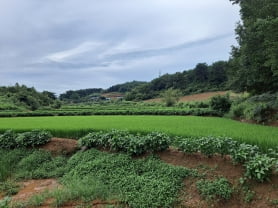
(255, 61)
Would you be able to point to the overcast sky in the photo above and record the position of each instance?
(58, 45)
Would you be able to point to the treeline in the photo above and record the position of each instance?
(21, 96)
(200, 79)
(254, 64)
(81, 95)
(125, 87)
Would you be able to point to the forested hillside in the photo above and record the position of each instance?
(21, 97)
(200, 79)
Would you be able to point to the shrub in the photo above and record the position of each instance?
(220, 103)
(237, 110)
(124, 141)
(215, 190)
(260, 113)
(244, 152)
(8, 140)
(259, 167)
(33, 138)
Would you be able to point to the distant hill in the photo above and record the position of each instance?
(125, 87)
(21, 97)
(202, 78)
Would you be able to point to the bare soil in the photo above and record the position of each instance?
(33, 187)
(196, 97)
(58, 146)
(213, 167)
(219, 167)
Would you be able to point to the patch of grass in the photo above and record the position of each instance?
(215, 189)
(77, 126)
(9, 160)
(9, 187)
(146, 182)
(40, 164)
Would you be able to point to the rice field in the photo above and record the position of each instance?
(76, 126)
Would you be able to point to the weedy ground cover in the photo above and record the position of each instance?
(259, 164)
(91, 175)
(78, 126)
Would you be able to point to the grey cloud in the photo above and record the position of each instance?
(137, 38)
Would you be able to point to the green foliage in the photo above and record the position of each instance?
(254, 64)
(9, 187)
(79, 95)
(188, 126)
(4, 203)
(261, 108)
(33, 138)
(8, 140)
(244, 152)
(147, 182)
(40, 164)
(171, 97)
(119, 140)
(215, 190)
(26, 98)
(9, 160)
(259, 167)
(207, 145)
(220, 103)
(211, 78)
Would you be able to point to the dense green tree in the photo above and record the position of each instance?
(255, 61)
(171, 96)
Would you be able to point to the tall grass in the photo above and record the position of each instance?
(77, 126)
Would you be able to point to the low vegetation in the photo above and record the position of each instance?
(95, 175)
(259, 165)
(216, 189)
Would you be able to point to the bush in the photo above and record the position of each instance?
(8, 140)
(124, 141)
(215, 190)
(260, 113)
(220, 103)
(259, 167)
(244, 152)
(33, 138)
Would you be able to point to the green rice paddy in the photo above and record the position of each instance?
(76, 126)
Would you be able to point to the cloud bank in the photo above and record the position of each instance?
(73, 44)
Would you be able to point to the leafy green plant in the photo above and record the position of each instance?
(146, 183)
(9, 187)
(215, 189)
(8, 140)
(4, 203)
(134, 144)
(33, 138)
(40, 164)
(259, 167)
(188, 145)
(244, 152)
(220, 103)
